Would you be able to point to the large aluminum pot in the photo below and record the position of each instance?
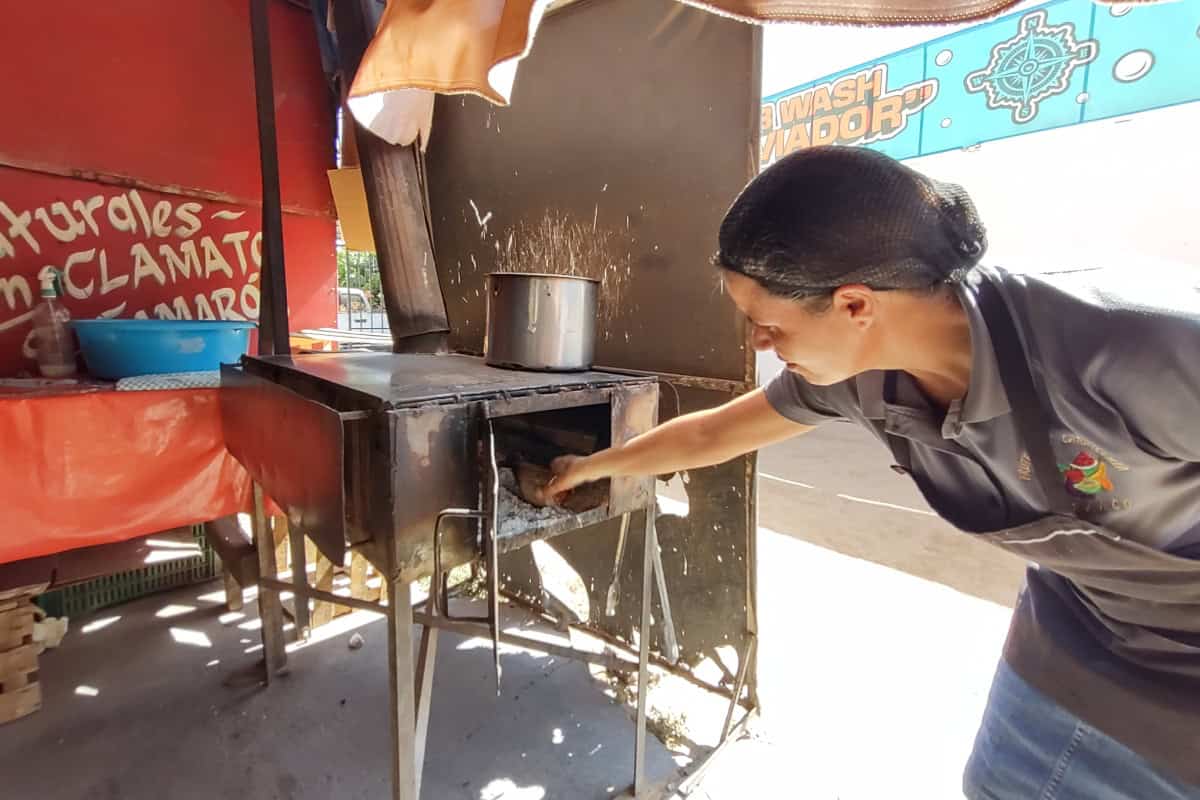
(540, 322)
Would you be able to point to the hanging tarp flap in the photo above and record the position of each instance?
(444, 46)
(425, 47)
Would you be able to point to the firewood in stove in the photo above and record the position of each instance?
(532, 478)
(524, 439)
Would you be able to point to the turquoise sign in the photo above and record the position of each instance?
(1061, 63)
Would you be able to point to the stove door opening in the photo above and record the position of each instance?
(526, 446)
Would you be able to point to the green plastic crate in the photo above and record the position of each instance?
(84, 598)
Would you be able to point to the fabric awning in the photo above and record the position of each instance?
(424, 47)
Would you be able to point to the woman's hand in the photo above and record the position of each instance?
(569, 472)
(699, 439)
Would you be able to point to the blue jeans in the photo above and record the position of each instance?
(1029, 748)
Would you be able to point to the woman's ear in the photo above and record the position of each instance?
(859, 304)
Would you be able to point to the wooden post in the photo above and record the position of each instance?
(323, 610)
(299, 565)
(279, 534)
(358, 576)
(358, 582)
(233, 591)
(269, 608)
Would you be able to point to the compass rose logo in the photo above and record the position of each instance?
(1035, 64)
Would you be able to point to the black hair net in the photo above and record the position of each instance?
(825, 217)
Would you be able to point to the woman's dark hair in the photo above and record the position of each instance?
(825, 217)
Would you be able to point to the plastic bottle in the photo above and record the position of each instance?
(52, 337)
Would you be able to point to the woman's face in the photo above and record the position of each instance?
(824, 347)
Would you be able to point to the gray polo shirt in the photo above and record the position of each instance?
(1119, 355)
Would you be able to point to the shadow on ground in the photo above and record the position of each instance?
(138, 705)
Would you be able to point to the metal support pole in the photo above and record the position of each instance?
(608, 660)
(492, 550)
(329, 597)
(299, 582)
(747, 657)
(692, 781)
(401, 682)
(269, 608)
(273, 317)
(670, 642)
(639, 757)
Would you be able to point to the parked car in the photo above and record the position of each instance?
(356, 313)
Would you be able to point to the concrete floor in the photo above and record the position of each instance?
(142, 702)
(872, 681)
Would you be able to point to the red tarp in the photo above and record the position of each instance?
(86, 469)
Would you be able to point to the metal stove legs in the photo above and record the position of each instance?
(405, 767)
(411, 685)
(488, 516)
(426, 658)
(411, 689)
(410, 739)
(409, 715)
(670, 643)
(492, 507)
(424, 687)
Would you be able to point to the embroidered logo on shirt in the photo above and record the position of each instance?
(1025, 467)
(1100, 452)
(1086, 475)
(1088, 478)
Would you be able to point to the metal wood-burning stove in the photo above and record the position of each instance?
(399, 457)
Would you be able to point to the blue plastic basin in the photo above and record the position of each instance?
(122, 348)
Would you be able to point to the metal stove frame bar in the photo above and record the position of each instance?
(411, 684)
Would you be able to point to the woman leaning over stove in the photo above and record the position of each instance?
(1051, 416)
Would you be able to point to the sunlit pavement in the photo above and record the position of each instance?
(872, 681)
(156, 699)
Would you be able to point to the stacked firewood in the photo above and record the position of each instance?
(20, 692)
